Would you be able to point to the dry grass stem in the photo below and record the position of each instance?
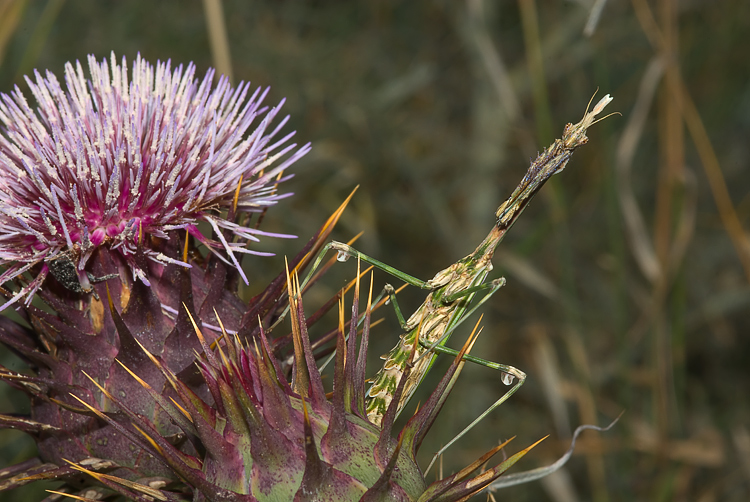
(218, 38)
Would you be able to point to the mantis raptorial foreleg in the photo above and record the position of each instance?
(492, 286)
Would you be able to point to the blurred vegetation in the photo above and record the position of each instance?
(627, 277)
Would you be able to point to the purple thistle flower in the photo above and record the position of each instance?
(111, 161)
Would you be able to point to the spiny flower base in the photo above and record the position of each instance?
(267, 439)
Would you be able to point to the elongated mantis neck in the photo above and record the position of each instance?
(487, 247)
(551, 161)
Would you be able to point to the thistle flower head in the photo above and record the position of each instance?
(114, 161)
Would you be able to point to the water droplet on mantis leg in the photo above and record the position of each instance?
(342, 256)
(508, 378)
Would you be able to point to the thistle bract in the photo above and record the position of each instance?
(112, 161)
(269, 439)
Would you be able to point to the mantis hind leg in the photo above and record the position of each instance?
(436, 346)
(509, 375)
(345, 252)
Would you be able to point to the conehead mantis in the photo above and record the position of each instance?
(452, 290)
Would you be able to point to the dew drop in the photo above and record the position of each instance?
(342, 256)
(508, 378)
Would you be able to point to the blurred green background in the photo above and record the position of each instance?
(627, 277)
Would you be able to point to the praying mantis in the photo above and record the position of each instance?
(452, 290)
